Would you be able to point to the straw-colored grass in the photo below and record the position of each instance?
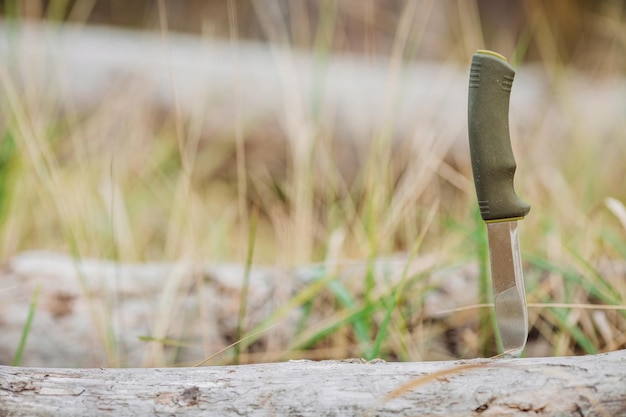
(131, 183)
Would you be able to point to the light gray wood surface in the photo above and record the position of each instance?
(565, 386)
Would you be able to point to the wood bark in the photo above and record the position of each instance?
(586, 386)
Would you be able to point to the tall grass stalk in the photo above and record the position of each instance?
(398, 291)
(243, 302)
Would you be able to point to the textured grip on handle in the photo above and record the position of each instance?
(493, 164)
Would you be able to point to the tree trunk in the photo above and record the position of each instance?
(586, 385)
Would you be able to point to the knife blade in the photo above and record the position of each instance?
(493, 167)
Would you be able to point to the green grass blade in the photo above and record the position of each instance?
(487, 325)
(574, 331)
(397, 292)
(573, 278)
(246, 283)
(357, 313)
(615, 241)
(166, 341)
(17, 358)
(384, 325)
(359, 324)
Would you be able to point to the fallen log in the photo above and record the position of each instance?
(94, 312)
(585, 385)
(97, 313)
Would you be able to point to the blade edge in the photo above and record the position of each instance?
(508, 286)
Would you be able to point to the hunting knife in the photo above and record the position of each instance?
(493, 166)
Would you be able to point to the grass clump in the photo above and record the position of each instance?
(128, 181)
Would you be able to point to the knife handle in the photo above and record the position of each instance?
(493, 164)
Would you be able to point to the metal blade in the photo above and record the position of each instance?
(509, 295)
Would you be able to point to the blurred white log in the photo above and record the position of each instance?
(357, 96)
(94, 312)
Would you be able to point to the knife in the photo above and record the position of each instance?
(493, 166)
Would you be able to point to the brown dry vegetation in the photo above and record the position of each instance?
(131, 180)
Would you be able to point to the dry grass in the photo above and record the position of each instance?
(134, 183)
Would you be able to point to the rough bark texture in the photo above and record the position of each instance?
(568, 386)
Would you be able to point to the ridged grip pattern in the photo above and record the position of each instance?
(493, 164)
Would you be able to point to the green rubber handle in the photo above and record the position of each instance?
(493, 164)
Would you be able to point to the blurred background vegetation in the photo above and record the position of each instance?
(201, 206)
(571, 32)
